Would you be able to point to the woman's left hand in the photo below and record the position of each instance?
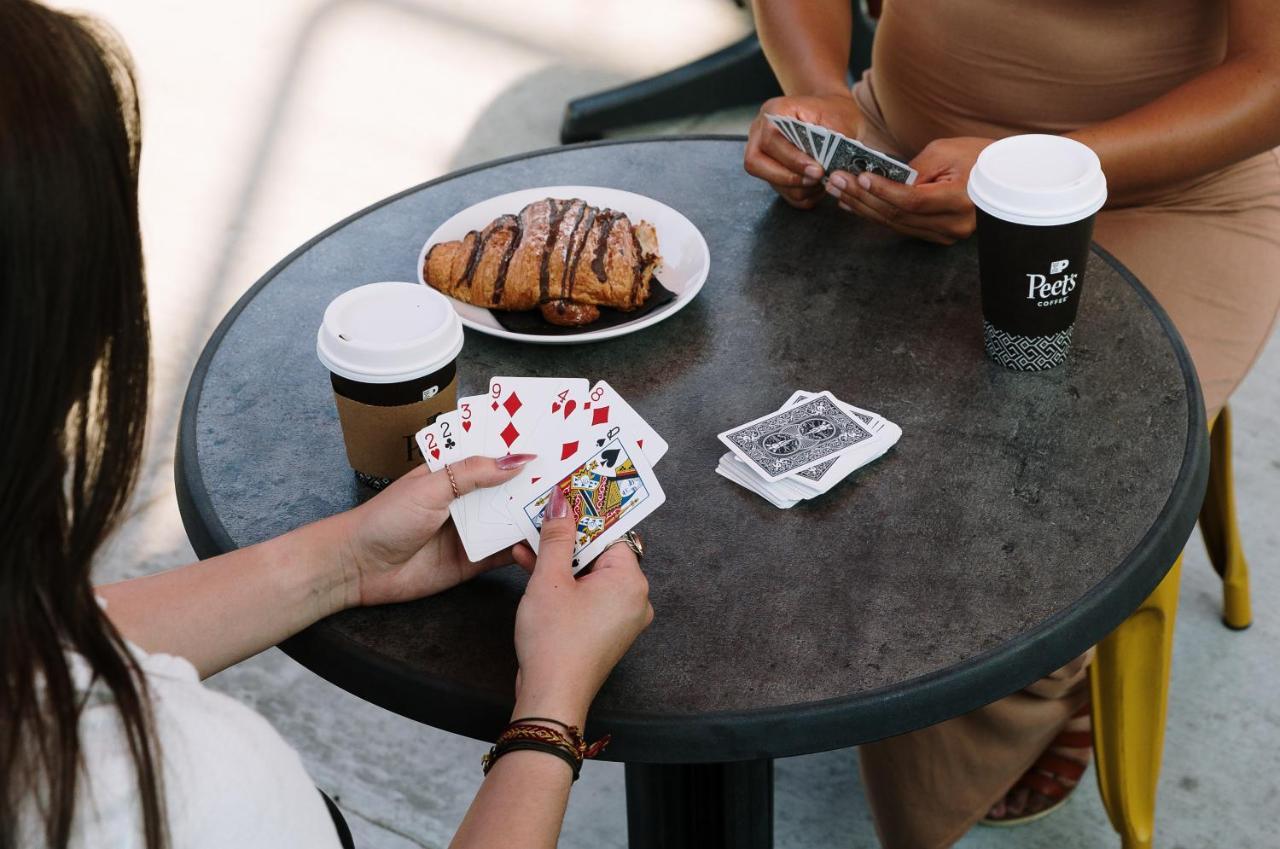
(937, 208)
(400, 544)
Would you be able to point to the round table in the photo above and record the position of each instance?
(1021, 517)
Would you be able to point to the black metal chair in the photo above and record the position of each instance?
(738, 75)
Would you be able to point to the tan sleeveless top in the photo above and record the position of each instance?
(945, 68)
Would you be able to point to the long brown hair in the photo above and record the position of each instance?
(74, 370)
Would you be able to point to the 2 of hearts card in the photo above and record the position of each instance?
(580, 433)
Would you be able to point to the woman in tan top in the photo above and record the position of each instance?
(1181, 101)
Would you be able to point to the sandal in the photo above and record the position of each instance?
(1052, 778)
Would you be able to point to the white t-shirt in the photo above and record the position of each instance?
(230, 780)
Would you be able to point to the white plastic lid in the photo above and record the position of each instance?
(1039, 180)
(388, 332)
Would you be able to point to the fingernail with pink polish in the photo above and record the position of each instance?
(559, 506)
(813, 172)
(514, 461)
(836, 181)
(864, 181)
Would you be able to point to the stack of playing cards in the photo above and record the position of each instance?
(836, 152)
(806, 447)
(589, 442)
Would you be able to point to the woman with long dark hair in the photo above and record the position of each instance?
(107, 738)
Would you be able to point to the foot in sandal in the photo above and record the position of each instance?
(1051, 779)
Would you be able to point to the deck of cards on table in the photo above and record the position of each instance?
(804, 448)
(836, 152)
(588, 441)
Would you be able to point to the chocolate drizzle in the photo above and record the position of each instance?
(574, 254)
(553, 231)
(477, 249)
(483, 281)
(582, 206)
(639, 268)
(602, 244)
(517, 221)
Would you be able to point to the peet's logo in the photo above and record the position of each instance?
(1046, 292)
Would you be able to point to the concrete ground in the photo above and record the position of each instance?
(266, 122)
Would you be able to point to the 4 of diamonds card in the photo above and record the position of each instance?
(610, 490)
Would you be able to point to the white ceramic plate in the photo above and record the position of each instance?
(685, 258)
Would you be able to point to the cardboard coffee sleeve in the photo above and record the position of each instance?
(379, 436)
(391, 350)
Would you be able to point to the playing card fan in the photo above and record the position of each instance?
(590, 443)
(836, 152)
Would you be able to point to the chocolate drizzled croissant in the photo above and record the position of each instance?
(564, 257)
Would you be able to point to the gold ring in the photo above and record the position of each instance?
(453, 484)
(631, 539)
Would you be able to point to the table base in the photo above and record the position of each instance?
(700, 806)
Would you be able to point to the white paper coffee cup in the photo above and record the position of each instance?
(391, 350)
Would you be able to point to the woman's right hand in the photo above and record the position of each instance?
(770, 156)
(571, 632)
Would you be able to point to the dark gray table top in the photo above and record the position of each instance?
(1020, 518)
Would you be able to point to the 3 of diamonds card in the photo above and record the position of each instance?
(610, 490)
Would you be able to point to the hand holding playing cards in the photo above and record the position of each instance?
(773, 158)
(570, 632)
(937, 208)
(399, 545)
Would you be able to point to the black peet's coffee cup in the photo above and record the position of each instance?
(392, 351)
(1036, 198)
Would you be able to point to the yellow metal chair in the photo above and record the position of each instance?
(1130, 677)
(1218, 527)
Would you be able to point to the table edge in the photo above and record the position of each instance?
(775, 731)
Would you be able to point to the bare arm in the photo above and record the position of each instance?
(570, 632)
(521, 803)
(523, 798)
(395, 547)
(220, 611)
(1222, 116)
(807, 44)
